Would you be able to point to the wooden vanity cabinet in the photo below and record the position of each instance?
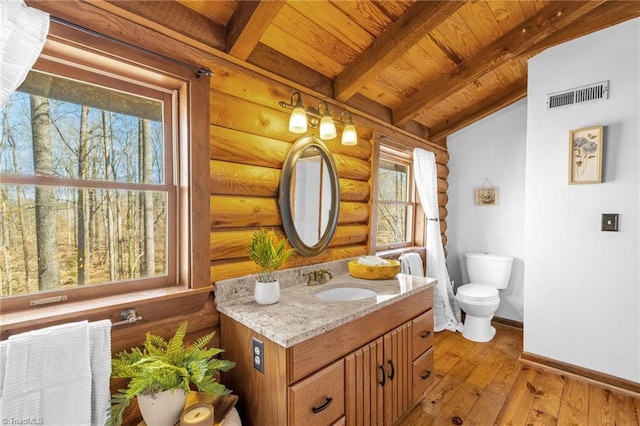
(360, 373)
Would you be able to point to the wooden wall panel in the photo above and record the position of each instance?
(249, 142)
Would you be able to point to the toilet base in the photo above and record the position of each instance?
(478, 329)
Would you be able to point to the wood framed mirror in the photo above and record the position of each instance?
(309, 196)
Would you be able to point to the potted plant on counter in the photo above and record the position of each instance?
(269, 254)
(160, 374)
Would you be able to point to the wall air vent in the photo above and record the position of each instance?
(590, 93)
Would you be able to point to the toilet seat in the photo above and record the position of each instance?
(477, 292)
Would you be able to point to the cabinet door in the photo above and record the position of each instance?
(364, 376)
(398, 352)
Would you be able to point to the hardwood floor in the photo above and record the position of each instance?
(485, 384)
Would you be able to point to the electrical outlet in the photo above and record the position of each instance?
(258, 355)
(609, 222)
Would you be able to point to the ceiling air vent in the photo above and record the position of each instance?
(590, 93)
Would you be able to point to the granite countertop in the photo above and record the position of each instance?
(299, 315)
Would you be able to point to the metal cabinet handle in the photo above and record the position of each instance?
(393, 370)
(326, 403)
(384, 376)
(426, 375)
(425, 334)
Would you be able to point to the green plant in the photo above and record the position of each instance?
(268, 253)
(161, 365)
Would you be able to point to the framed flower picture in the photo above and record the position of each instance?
(585, 155)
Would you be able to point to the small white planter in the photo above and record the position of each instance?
(164, 408)
(267, 293)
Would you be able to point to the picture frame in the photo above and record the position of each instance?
(585, 155)
(487, 196)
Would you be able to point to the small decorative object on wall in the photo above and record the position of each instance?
(487, 195)
(585, 155)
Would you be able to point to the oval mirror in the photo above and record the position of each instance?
(309, 196)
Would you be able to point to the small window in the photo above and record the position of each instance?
(88, 190)
(395, 211)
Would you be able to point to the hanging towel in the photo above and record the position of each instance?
(411, 263)
(48, 376)
(100, 352)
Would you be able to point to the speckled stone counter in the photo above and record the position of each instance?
(299, 315)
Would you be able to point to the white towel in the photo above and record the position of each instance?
(100, 352)
(373, 261)
(48, 376)
(411, 264)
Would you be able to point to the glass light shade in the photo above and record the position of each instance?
(298, 120)
(327, 128)
(349, 135)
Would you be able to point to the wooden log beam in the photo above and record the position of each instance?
(604, 16)
(487, 106)
(270, 59)
(400, 36)
(552, 18)
(167, 15)
(249, 21)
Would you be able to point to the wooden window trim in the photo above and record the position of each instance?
(191, 170)
(395, 153)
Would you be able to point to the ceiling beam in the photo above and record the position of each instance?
(604, 16)
(267, 58)
(555, 16)
(411, 27)
(180, 20)
(485, 107)
(247, 25)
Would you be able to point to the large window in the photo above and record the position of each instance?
(395, 211)
(90, 196)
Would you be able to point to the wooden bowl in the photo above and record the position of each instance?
(378, 272)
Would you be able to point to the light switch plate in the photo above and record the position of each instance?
(610, 222)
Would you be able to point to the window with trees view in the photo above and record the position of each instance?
(395, 201)
(86, 184)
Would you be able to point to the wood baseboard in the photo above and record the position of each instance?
(508, 322)
(603, 379)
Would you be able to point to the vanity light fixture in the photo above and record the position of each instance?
(349, 134)
(302, 116)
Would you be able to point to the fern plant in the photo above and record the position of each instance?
(162, 365)
(268, 253)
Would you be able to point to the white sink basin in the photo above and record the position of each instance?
(345, 294)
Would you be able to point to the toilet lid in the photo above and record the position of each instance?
(477, 291)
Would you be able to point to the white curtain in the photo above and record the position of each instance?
(446, 308)
(23, 31)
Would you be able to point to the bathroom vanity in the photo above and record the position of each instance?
(306, 361)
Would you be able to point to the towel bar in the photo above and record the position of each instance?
(129, 316)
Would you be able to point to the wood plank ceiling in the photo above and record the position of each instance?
(428, 67)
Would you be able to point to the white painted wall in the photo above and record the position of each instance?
(582, 293)
(494, 149)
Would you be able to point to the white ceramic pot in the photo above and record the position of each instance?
(267, 293)
(163, 408)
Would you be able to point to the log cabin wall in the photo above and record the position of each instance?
(249, 142)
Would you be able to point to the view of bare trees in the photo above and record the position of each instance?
(77, 199)
(393, 200)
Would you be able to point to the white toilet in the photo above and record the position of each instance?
(479, 299)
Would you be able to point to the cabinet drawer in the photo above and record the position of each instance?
(318, 399)
(422, 333)
(422, 374)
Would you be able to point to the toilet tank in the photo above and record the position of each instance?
(489, 269)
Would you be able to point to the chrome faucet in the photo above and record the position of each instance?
(319, 277)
